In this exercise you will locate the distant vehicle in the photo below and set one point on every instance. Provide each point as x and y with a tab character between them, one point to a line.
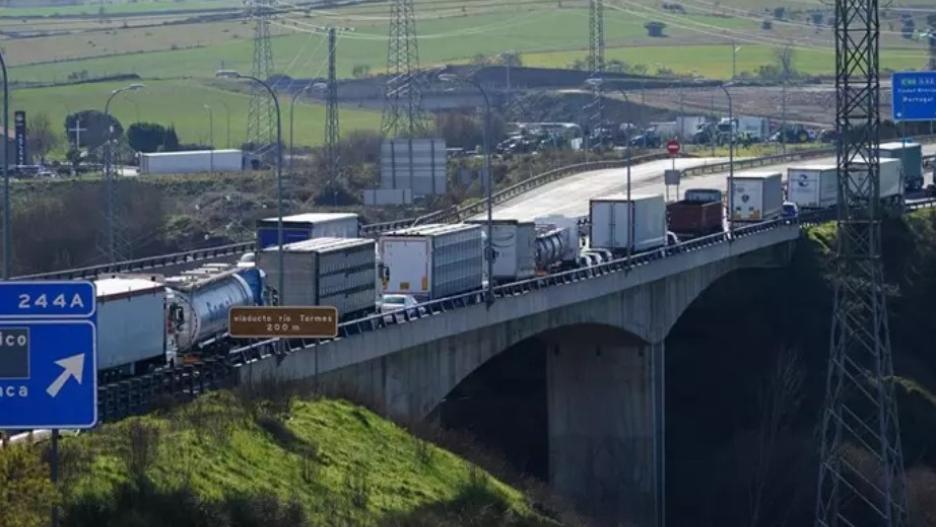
790	211
828	136
648	139
793	134
390	304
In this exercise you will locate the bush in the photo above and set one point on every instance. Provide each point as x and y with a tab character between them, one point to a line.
26	494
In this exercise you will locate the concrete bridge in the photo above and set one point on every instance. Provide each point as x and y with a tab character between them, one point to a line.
605	330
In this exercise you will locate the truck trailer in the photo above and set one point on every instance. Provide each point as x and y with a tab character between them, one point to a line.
610	222
756	196
891	190
514	244
191	162
335	272
699	214
432	261
131	335
300	227
910	155
813	186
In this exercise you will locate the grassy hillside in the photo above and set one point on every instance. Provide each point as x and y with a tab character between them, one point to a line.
181	102
222	461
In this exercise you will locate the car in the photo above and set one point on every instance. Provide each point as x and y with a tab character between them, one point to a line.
394	304
790	211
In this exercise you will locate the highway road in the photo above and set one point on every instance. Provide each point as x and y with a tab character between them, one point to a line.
569	196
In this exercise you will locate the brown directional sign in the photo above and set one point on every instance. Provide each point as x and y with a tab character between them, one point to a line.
285	322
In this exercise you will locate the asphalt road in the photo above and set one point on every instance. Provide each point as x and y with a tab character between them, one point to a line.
570	196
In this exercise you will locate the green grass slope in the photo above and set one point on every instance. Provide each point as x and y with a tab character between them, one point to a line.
329	462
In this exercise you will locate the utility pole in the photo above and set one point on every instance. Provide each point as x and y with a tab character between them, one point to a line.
402	114
331	119
860	413
596	61
261	113
734	60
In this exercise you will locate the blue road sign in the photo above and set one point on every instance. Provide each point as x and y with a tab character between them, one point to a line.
48	374
914	96
46	300
48	355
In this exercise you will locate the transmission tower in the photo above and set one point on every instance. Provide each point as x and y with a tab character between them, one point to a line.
402	113
331	118
261	113
861	475
596	60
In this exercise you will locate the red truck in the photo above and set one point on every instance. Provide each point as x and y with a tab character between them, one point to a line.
701	213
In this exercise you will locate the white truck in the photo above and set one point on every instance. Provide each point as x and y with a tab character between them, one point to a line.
687	126
756	196
813	186
432	261
514	244
131	326
192	162
336	272
610	222
891	184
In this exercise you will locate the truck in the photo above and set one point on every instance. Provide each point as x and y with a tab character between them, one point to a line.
754	129
514	244
191	162
300	227
756	196
432	261
687	126
813	186
699	214
131	336
558	242
891	190
610	222
334	272
910	155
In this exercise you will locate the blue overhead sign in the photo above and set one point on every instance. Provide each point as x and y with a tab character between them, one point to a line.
914	96
48	366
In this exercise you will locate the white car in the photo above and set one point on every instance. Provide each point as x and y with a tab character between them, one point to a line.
395	303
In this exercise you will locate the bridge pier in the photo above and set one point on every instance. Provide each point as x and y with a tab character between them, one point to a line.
605	428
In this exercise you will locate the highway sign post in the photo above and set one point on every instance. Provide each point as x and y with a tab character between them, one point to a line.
673	147
914	96
283	322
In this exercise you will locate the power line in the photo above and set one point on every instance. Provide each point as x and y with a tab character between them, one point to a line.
331	119
261	111
861	473
402	114
596	60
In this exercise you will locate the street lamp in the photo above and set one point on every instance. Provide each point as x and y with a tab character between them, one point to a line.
210	139
489	182
597	83
292	107
731	144
109	170
7	230
228	74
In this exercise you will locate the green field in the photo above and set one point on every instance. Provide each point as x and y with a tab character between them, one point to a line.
118	7
181	103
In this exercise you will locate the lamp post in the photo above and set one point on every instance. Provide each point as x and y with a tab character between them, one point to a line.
210	139
7	230
489	181
597	82
731	143
228	74
109	170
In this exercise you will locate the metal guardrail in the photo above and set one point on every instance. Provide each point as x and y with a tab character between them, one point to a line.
744	164
143	264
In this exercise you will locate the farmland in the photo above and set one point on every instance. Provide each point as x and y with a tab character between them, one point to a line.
181	103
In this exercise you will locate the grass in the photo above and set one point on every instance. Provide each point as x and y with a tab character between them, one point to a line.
322	455
181	103
118	7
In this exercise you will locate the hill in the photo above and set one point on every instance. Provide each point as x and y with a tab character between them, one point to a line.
229	461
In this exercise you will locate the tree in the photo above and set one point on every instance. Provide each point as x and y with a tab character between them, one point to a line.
95	125
42	138
27	492
171	142
510	58
784	58
359	71
146	137
655	29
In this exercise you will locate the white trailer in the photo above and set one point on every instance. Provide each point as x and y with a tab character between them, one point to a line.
192	162
813	186
131	325
514	244
891	185
688	125
300	227
756	196
335	272
432	261
757	128
610	222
